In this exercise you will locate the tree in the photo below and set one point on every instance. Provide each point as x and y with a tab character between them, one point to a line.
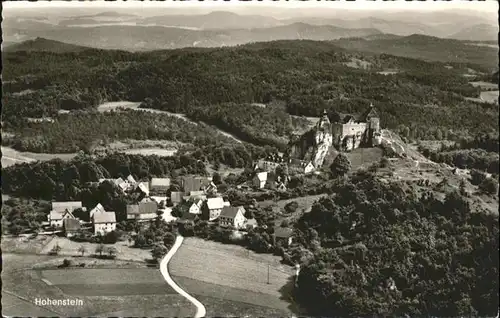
291	207
216	178
341	165
158	251
56	249
82	250
169	240
111	251
100	249
489	186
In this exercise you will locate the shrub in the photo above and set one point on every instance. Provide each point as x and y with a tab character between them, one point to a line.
66	263
489	186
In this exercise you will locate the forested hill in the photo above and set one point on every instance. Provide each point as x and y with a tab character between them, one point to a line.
426	48
304	76
45	45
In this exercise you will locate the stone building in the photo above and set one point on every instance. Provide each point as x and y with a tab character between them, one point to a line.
352	133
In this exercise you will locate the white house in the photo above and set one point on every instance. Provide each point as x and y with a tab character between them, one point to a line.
56	218
214	206
308	167
143	187
104	222
232	216
61	211
211	188
98	208
259	180
195	207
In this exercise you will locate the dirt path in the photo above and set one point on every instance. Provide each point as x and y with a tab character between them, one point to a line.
200	309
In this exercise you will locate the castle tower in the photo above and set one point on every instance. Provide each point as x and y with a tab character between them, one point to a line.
324	122
372	120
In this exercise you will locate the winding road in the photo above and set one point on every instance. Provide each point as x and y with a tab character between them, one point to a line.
200	309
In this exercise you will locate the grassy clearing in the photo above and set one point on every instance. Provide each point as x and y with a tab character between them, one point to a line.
109	106
18	279
89	263
108	282
24	244
124	251
364	157
231	272
490	96
11	156
224	170
484	85
236	298
151	151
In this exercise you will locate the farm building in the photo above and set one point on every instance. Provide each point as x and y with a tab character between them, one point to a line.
283	236
104	222
71	226
259	180
214	206
159	186
190	183
98	208
250	224
176	197
232	216
143	211
61	211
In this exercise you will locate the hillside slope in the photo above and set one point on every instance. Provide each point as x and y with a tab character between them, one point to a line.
45	45
478	32
426	48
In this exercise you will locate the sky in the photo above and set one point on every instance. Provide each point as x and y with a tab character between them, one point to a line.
399	5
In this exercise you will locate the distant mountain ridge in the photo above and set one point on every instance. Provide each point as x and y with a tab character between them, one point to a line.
45	45
478	32
142	38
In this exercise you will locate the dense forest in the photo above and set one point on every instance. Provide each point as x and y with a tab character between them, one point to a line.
378	249
477	152
307	76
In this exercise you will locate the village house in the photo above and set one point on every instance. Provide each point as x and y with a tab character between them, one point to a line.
142	187
71	226
191	183
143	211
159	186
250	224
281	186
131	181
269	163
308	167
98	208
61	211
283	236
104	222
176	197
259	180
214	206
195	207
232	216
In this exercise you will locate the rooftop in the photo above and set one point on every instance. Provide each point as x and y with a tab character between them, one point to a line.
215	203
231	211
104	217
67	205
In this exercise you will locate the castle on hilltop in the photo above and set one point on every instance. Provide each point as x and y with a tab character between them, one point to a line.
345	135
353	132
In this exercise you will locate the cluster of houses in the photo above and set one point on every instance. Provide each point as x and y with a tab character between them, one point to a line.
265	177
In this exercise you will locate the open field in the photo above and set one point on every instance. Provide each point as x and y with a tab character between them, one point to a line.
224	170
228	301
363	157
21	285
11	156
303	202
151	151
24	244
357	63
485	85
109	106
490	96
124	251
230	272
108	282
